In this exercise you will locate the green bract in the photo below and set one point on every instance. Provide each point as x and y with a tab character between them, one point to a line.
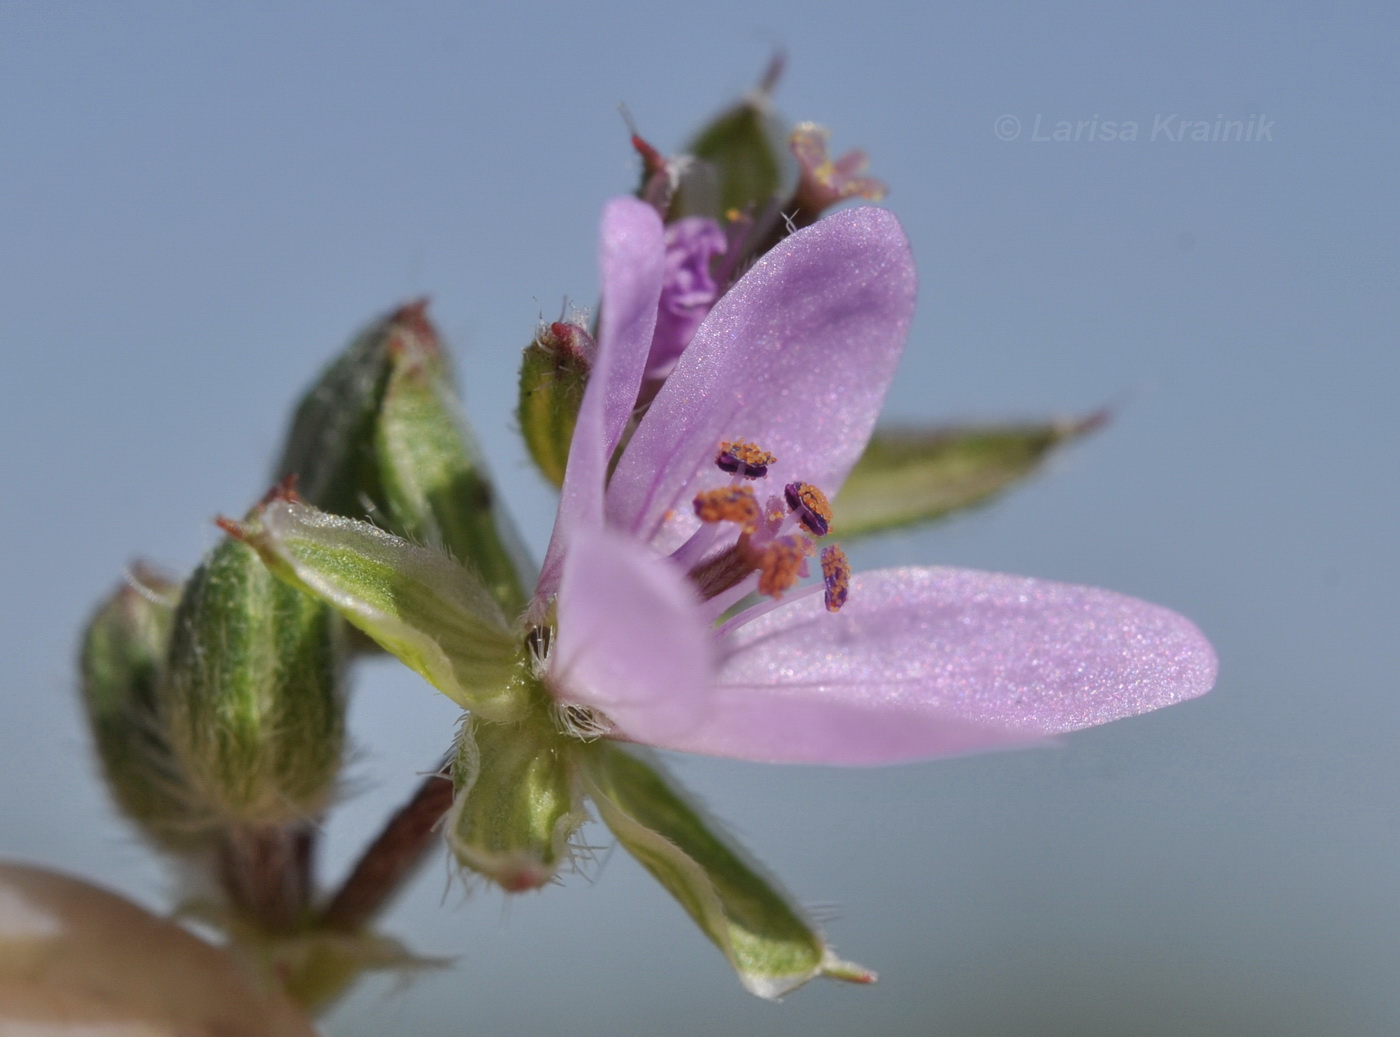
252	694
909	476
767	941
417	603
746	148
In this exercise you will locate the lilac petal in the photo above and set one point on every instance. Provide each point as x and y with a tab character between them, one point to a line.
796	724
631	246
997	657
631	639
796	357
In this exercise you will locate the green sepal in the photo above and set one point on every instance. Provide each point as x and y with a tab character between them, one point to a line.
416	603
434	485
908	476
123	653
771	947
252	693
553	375
517	801
746	147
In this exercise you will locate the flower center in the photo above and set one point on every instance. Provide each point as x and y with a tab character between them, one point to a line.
774	540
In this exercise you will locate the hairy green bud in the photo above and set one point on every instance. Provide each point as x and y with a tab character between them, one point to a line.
381	436
252	693
434	482
553	374
121	659
517	802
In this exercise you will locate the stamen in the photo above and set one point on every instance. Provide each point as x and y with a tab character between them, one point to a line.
735	504
836	572
811	507
740	457
781	563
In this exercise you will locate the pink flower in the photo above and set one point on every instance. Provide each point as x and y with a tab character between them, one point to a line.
898	664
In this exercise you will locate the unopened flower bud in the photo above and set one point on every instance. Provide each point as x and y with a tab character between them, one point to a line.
517	803
768	942
252	692
122	656
553	374
434	482
330	446
381	436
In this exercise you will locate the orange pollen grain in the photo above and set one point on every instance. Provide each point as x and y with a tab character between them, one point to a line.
812	507
836	574
735	504
741	457
780	564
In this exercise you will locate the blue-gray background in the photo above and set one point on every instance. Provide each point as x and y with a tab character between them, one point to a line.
197	206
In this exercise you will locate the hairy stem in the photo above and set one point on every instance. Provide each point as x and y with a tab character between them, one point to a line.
393	857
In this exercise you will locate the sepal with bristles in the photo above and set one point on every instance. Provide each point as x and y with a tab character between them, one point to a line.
517	804
770	945
416	603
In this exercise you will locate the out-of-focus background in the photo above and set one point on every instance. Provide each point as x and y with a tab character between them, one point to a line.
199	204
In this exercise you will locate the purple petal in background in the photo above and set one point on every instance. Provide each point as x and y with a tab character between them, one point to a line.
796	357
688	290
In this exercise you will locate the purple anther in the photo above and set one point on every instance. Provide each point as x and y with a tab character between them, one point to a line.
810	506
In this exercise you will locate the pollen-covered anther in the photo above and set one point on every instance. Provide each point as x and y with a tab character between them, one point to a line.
735	504
810	505
781	563
740	457
836	574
